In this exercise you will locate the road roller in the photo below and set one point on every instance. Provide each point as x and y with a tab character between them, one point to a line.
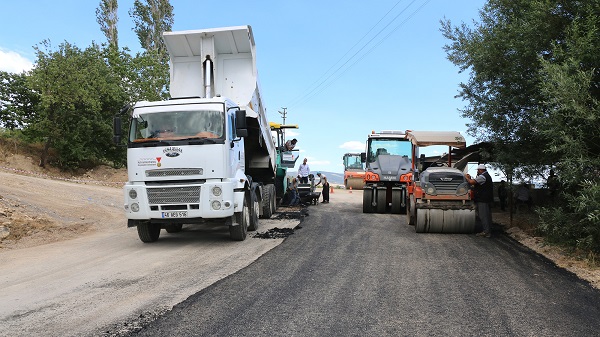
354	171
388	164
439	197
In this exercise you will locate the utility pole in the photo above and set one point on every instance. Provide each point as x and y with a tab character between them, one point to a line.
283	114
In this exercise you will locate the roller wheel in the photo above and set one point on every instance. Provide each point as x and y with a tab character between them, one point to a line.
355	183
381	200
397	202
411	211
174	228
368	200
421	225
459	221
254	211
239	227
437	223
148	232
445	221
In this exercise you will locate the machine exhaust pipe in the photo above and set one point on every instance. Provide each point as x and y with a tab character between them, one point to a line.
208	77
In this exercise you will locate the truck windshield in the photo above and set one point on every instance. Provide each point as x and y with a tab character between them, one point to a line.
388	146
177	125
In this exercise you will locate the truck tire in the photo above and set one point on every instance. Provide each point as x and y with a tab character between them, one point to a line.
254	212
273	200
396	202
176	228
267	201
148	232
239	227
381	200
368	200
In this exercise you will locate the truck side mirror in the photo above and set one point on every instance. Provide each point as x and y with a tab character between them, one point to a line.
117	132
363	157
241	129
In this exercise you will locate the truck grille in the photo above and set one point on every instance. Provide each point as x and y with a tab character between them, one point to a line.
446	183
174	195
173	172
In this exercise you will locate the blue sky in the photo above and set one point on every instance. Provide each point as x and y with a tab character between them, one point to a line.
341	68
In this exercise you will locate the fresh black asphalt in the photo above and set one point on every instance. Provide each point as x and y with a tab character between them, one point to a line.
345	273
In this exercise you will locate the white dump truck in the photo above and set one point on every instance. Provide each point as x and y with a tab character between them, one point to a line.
206	155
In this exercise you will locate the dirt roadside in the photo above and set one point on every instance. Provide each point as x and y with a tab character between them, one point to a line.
22	224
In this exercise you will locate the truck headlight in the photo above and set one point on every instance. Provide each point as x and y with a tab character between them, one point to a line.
135	207
216	191
429	189
216	205
132	194
462	189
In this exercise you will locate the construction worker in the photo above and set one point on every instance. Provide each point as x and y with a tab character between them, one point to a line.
303	172
484	197
323	182
290	144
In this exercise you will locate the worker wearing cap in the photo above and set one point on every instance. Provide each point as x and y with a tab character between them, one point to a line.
484	196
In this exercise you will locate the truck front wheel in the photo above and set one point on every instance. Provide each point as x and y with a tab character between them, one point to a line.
239	227
148	232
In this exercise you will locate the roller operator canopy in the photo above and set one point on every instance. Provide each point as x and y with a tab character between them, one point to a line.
428	138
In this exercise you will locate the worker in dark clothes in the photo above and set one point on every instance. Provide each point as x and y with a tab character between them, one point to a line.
484	197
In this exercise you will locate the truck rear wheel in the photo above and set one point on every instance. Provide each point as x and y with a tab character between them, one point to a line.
239	227
254	211
268	198
148	232
273	200
381	200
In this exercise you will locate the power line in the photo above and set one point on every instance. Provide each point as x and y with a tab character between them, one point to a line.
371	49
325	83
299	98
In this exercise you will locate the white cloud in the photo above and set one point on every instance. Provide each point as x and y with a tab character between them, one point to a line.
290	133
353	145
13	62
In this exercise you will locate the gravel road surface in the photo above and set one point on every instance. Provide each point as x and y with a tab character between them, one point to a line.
106	276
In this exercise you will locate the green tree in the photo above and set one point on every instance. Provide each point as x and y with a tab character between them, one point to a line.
571	85
79	95
533	91
18	103
151	68
503	53
107	17
151	19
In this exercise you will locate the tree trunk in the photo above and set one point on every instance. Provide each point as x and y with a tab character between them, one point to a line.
44	155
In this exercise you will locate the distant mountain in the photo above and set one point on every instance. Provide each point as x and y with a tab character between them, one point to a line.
334	178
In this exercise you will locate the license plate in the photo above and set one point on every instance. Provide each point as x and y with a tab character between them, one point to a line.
180	214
